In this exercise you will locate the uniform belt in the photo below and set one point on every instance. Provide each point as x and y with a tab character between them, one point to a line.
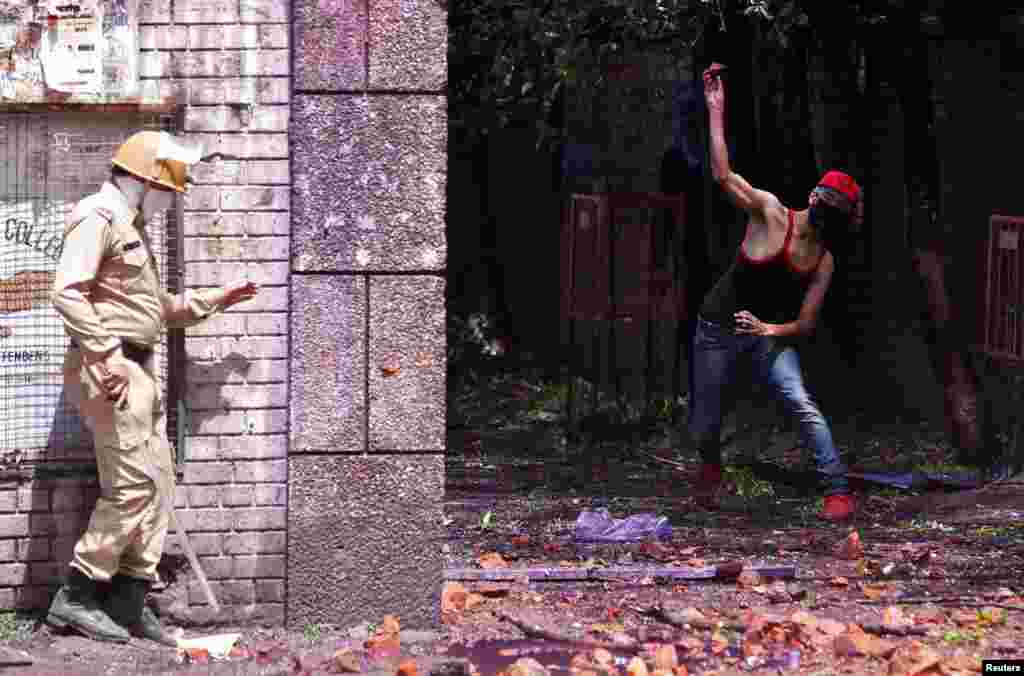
136	353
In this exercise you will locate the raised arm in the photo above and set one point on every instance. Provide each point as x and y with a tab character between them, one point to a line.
740	193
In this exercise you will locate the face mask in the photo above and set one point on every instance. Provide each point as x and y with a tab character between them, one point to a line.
155	201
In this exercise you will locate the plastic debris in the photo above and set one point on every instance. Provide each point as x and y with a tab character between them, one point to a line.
599	526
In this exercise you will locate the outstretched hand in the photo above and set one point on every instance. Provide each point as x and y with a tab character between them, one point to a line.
237	292
749	324
714	87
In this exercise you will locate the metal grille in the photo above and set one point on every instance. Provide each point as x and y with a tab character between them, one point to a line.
48	162
1004	295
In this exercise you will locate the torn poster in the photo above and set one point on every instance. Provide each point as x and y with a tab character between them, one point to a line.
72	55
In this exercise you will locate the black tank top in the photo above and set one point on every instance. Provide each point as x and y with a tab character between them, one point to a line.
772	288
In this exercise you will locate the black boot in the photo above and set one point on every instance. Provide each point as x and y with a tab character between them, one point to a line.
126	603
75	605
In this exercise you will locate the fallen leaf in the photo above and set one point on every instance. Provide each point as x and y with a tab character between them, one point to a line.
385	641
894	617
345	661
453	597
913	658
681	670
696	563
961	663
854	643
963	617
875	591
753	649
656	551
474	600
850	548
521	540
748	579
491	561
688	551
239	651
831	627
636	667
551	548
407	668
527	666
839	582
915	553
389	371
666	658
990	615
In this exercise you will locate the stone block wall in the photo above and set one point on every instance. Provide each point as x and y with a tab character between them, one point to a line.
369	132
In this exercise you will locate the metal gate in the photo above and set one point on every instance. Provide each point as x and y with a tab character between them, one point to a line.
48	162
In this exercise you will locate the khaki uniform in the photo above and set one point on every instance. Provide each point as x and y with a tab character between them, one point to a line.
120	303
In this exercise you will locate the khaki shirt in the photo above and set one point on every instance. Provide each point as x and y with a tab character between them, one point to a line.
107	290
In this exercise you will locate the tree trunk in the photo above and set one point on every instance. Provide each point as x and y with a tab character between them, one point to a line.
947	339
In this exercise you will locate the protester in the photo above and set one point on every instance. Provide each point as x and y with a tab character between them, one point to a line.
770	296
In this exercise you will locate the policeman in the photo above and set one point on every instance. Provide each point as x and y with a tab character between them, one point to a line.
114	308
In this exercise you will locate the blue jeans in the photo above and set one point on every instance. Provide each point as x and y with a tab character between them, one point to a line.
716	350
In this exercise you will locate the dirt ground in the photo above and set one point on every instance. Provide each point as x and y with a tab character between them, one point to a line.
919	583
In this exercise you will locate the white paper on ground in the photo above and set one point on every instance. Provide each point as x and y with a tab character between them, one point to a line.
218	646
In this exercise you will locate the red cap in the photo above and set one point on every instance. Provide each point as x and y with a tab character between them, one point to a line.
842	183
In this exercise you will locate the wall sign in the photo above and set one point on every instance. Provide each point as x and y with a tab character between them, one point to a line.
68	51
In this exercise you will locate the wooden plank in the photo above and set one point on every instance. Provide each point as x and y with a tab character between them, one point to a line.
552	574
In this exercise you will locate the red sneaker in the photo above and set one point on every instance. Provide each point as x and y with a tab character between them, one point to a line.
709	482
838	507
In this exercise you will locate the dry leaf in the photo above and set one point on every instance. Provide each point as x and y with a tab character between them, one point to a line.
961	663
666	658
389	371
854	643
637	667
551	547
748	579
894	617
681	670
474	600
491	561
964	617
603	657
696	563
527	666
875	591
521	540
839	582
831	627
656	551
851	548
346	662
453	597
913	658
407	668
687	551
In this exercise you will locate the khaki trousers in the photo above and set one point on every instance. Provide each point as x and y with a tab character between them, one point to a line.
129	523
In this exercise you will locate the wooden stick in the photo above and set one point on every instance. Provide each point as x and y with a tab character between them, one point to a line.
536	631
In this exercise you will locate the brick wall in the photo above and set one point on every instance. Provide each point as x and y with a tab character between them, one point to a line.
228	62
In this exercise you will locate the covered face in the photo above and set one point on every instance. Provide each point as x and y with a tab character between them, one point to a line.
837	193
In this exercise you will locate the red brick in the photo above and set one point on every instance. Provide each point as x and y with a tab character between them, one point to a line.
199	520
204	496
44	573
33	597
33	500
13	574
263	614
270	591
12	526
237	496
63	548
267	471
208	473
271	495
272	421
8	550
229	593
260	566
266	542
217	567
68	498
265	518
35	549
204	544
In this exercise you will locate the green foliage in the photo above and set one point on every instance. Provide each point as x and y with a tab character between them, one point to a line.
748	485
14	628
312	632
